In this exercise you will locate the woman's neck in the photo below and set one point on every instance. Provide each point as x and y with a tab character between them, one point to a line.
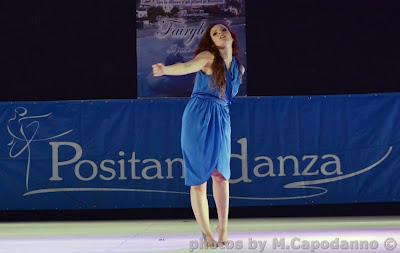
226	54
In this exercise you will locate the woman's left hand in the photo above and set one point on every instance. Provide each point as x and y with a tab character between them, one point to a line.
242	69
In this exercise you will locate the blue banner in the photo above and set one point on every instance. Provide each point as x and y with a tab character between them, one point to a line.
126	153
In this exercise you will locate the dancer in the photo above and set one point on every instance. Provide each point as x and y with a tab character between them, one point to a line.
206	126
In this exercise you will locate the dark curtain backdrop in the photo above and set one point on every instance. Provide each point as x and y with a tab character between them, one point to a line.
52	50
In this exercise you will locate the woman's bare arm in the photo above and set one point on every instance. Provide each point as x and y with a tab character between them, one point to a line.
194	65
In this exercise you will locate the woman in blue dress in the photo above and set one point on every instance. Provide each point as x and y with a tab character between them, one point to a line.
206	126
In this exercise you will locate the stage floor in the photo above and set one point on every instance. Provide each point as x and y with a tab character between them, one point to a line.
363	234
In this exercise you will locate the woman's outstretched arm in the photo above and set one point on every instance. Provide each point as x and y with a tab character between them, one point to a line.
194	65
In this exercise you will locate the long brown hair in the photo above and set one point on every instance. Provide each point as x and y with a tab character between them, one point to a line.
218	65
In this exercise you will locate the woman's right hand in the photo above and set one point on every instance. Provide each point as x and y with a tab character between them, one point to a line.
158	69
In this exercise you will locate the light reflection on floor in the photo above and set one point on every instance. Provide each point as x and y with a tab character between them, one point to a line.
356	234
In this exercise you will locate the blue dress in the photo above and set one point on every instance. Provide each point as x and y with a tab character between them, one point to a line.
206	127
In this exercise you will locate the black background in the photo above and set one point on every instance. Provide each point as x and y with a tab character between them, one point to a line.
53	50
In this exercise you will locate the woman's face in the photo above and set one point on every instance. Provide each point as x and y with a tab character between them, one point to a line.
221	36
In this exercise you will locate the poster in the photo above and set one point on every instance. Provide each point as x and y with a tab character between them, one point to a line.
168	31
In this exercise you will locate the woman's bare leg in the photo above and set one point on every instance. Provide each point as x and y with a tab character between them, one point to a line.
221	197
198	199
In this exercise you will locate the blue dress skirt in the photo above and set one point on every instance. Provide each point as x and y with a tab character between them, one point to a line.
206	128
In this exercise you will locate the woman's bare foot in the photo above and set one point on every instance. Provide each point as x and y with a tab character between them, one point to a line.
222	236
209	241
